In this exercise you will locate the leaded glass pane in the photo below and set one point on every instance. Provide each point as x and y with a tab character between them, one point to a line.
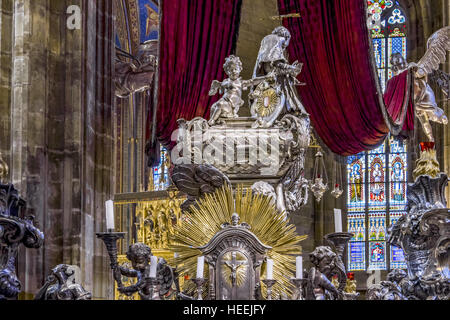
379	46
357	256
398	187
161	172
356	179
356	246
377	169
377	255
397	254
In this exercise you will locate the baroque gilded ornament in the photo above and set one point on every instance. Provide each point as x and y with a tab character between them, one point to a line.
214	231
270	145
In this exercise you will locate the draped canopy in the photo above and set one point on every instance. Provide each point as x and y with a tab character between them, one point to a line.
195	38
342	92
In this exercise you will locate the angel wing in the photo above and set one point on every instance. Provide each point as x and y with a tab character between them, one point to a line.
442	79
196	180
215	86
437	46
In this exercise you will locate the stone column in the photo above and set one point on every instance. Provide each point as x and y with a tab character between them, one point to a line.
6	9
61	136
97	141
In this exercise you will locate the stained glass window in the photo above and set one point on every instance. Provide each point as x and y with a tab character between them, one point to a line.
376	198
376	195
160	174
387	23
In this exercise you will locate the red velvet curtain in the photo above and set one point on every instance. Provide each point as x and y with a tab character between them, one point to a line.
196	37
400	93
342	92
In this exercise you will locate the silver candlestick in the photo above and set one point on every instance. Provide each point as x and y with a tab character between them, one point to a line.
299	284
110	240
339	241
199	283
269	284
156	286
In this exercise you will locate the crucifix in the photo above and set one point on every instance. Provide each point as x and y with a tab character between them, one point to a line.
234	266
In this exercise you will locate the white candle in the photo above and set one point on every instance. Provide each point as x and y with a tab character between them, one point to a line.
299	267
269	275
109	215
337	220
175	255
153	266
200	265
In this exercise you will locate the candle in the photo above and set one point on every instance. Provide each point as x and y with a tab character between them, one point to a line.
109	215
269	275
175	255
299	267
200	265
337	220
153	266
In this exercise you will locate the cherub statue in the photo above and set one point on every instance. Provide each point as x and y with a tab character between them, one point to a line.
60	286
139	254
228	106
426	107
326	265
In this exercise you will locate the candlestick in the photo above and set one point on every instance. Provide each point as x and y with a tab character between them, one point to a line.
110	239
153	266
199	283
109	215
339	241
156	287
269	274
269	284
337	220
299	285
299	267
200	265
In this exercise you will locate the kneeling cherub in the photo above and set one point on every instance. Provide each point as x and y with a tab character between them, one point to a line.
231	88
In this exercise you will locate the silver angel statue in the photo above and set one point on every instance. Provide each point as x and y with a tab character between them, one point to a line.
271	98
135	74
228	106
426	107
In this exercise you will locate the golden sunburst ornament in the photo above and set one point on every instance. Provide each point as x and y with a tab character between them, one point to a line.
267	102
265	222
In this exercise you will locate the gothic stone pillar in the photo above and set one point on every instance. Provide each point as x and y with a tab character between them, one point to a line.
61	137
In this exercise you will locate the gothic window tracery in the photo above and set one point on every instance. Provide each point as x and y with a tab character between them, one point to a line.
376	198
387	24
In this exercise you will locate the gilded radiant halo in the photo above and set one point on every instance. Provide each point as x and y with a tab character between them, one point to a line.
257	211
267	102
